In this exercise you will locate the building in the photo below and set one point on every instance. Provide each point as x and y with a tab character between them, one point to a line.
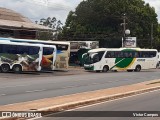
15	25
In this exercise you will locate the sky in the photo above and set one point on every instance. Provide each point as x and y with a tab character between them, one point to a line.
37	9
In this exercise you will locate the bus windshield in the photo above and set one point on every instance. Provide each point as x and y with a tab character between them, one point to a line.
47	50
91	58
62	47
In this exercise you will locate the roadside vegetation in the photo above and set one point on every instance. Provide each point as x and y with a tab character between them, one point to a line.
102	20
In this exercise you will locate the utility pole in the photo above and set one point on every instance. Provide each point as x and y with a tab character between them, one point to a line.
124	29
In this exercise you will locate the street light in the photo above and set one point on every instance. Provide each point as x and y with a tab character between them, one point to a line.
127	31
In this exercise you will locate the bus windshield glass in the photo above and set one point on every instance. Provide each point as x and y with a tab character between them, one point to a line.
91	58
47	50
61	47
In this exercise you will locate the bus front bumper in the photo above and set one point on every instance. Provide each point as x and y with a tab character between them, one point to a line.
89	67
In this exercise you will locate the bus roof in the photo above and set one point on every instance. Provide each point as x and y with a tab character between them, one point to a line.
24	44
52	46
118	49
26	40
97	50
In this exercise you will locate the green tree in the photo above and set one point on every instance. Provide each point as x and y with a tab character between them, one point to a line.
102	20
54	24
157	43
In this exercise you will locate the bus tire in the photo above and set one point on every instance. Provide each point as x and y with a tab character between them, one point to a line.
5	68
105	69
138	68
17	68
157	66
98	71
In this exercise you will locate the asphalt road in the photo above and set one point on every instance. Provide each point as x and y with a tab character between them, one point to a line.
26	87
145	102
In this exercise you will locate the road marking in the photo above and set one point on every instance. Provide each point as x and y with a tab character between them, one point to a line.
36	91
2	94
97	103
112	100
13	86
89	105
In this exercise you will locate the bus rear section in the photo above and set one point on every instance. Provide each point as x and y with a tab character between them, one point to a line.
62	55
20	57
129	59
48	57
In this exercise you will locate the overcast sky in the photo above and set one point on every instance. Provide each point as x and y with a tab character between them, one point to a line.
37	9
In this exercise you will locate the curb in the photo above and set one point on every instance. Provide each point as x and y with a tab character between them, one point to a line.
72	105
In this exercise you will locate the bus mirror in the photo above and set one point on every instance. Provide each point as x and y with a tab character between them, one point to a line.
84	55
93	55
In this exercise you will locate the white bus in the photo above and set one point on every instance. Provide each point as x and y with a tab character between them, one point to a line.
20	57
158	64
130	59
63	50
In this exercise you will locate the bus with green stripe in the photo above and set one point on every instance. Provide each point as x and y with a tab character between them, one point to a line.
129	59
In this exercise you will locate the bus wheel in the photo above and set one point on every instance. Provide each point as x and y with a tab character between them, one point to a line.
138	68
5	68
17	68
157	66
105	69
129	70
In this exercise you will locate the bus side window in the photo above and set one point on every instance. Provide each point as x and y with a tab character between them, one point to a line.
126	55
130	54
143	54
22	50
108	55
112	54
1	48
121	54
10	49
33	50
136	55
13	49
140	54
153	54
116	54
147	54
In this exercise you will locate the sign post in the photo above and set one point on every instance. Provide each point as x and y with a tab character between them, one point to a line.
129	42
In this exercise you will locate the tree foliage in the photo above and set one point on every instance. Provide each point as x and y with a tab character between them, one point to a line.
102	20
54	24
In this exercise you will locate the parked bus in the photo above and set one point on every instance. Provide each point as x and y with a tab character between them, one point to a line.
48	57
20	57
63	50
130	59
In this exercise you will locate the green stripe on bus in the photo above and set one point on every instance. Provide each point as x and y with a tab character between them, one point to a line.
124	62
